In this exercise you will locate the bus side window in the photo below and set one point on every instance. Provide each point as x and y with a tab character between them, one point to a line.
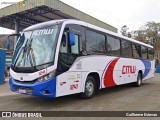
126	48
75	48
136	51
113	46
144	52
151	54
95	42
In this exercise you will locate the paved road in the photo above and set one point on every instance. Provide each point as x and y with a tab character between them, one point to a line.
121	98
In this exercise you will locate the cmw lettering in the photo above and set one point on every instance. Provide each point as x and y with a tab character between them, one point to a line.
44	32
128	69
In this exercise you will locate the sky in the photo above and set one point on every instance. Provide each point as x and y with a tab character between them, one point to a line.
133	13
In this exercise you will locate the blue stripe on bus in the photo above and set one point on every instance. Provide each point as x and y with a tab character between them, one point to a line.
147	65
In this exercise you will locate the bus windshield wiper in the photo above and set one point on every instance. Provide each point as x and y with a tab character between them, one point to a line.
27	54
23	49
31	53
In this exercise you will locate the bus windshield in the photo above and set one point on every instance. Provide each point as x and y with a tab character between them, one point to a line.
36	47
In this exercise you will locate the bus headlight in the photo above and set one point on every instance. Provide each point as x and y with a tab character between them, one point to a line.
47	76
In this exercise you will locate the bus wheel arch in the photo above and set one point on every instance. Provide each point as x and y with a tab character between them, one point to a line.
97	79
92	79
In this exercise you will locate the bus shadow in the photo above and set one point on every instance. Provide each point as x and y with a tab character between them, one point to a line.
48	102
64	101
120	88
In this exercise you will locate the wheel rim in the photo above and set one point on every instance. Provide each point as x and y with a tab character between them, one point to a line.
89	87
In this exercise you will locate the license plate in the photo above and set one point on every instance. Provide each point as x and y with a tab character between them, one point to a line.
22	91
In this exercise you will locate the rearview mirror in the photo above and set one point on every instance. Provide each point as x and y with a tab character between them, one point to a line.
71	39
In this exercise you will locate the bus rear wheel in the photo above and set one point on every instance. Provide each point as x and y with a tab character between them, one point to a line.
138	83
90	88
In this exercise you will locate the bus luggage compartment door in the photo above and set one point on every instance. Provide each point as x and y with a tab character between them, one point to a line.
68	83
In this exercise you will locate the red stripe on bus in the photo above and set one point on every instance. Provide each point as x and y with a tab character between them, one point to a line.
108	77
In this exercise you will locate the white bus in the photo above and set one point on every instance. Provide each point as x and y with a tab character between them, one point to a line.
63	57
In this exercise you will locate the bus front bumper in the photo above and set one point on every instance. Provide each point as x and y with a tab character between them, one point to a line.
46	89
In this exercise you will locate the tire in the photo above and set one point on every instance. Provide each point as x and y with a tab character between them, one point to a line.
90	88
138	83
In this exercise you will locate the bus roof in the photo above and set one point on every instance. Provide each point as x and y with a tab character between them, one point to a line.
74	21
43	24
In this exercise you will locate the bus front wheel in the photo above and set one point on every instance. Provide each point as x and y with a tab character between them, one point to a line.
90	88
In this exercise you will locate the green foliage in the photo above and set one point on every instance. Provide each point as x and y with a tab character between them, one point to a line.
124	31
150	34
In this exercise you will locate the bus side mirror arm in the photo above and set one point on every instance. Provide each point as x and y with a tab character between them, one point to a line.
13	35
8	41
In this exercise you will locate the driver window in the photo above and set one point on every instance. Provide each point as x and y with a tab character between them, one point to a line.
68	53
64	48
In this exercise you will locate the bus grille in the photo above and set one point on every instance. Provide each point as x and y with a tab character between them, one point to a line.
26	82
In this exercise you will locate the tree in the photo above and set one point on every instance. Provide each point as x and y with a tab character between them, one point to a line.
139	35
150	34
124	32
129	34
